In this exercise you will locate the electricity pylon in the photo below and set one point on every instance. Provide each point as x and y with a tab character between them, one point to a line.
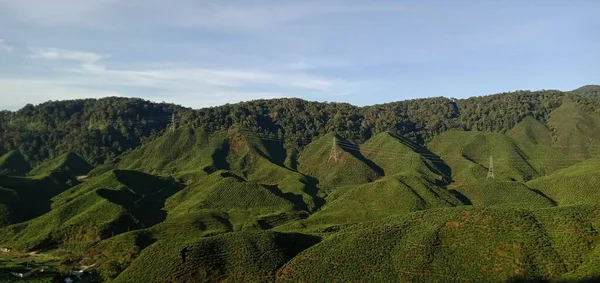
173	122
333	154
490	174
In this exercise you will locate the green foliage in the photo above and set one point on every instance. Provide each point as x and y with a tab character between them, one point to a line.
397	192
346	167
577	184
249	256
457	244
504	193
70	163
97	129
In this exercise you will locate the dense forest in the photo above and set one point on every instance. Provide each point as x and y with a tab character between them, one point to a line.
99	129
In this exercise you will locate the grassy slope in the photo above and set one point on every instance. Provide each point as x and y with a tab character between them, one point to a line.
576	184
389	196
455	245
399	156
504	193
349	167
110	204
13	163
69	162
536	141
575	131
23	198
184	150
468	155
192	155
249	256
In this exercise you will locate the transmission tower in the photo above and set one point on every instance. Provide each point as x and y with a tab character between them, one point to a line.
173	122
491	174
333	155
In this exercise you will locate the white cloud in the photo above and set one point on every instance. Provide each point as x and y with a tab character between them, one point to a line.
88	61
190	86
15	93
4	47
240	15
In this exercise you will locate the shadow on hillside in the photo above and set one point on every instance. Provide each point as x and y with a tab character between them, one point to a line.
544	195
439	165
145	199
276	151
294	243
29	198
358	155
219	157
464	199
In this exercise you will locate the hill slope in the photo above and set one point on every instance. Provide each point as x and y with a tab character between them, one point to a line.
110	204
457	244
346	166
573	185
13	163
69	162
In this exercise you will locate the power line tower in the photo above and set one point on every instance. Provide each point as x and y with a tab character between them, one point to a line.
173	122
333	154
490	174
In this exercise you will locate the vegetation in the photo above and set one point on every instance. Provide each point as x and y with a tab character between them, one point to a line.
485	189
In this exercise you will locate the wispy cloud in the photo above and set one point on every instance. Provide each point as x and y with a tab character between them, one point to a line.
4	47
88	61
37	90
89	72
240	15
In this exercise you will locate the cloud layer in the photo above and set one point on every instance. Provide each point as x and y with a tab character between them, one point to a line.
208	52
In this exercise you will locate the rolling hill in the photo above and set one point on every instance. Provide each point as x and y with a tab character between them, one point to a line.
501	188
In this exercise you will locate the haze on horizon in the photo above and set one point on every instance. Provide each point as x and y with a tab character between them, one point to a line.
205	53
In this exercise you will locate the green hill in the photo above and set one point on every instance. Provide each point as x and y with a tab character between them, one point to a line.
457	244
575	130
573	185
347	166
113	203
536	141
192	156
13	163
396	192
184	150
69	162
249	256
388	196
504	193
468	154
23	198
397	155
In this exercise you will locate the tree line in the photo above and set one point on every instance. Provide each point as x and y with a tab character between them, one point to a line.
100	129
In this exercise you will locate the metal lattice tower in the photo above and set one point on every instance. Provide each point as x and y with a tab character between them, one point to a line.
491	174
333	154
173	122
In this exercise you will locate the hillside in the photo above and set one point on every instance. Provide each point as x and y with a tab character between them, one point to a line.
69	163
577	184
500	188
457	244
13	163
335	165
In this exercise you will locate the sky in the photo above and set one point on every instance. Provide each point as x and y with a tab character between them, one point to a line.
201	53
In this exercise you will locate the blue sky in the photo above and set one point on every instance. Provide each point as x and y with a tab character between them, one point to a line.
205	53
